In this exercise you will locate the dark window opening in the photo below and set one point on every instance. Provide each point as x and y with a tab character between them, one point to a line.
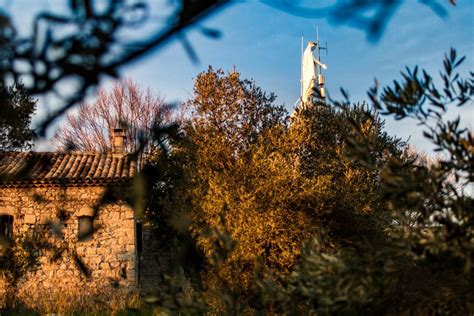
6	226
139	236
86	228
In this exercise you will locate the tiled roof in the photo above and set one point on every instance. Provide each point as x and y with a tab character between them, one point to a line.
60	168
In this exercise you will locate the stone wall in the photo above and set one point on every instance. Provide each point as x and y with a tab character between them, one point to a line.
46	220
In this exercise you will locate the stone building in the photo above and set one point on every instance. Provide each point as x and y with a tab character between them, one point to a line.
70	216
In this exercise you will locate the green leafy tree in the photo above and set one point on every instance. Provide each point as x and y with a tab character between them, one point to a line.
423	263
327	137
17	108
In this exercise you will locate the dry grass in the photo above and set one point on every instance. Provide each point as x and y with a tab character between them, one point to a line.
86	301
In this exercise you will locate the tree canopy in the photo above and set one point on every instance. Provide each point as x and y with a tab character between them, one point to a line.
126	105
423	265
269	182
17	108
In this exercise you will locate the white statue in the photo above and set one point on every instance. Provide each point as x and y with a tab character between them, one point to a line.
310	72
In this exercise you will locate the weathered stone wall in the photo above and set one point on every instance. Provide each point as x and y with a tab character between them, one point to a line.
47	220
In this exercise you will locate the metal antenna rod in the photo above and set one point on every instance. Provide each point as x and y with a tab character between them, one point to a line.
319	48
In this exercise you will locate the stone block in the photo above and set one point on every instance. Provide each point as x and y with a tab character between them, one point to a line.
44	219
128	214
103	251
91	251
105	266
85	211
7	210
125	256
98	260
29	219
114	264
129	224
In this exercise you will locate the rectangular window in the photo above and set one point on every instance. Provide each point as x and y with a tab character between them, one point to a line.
86	228
6	226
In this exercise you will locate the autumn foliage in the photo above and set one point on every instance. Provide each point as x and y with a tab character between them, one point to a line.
322	212
269	182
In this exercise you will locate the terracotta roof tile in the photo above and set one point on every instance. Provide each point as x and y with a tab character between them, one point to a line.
31	168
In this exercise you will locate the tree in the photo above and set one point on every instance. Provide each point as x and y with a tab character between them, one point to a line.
421	266
17	108
256	187
124	105
390	264
326	138
229	117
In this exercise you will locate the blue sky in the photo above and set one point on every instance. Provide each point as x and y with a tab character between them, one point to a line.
264	44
